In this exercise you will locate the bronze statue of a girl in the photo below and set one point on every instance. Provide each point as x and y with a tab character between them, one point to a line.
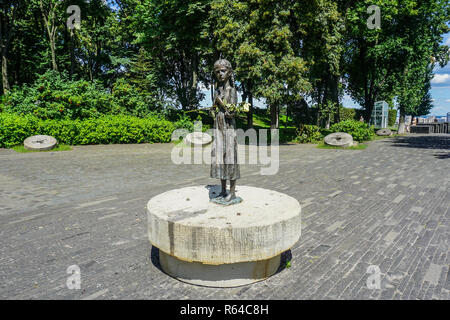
224	151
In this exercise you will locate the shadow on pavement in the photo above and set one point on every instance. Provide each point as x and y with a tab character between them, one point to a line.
441	142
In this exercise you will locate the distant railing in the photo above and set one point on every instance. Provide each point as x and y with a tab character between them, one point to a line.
436	127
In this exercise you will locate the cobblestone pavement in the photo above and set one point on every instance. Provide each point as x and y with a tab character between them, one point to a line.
386	206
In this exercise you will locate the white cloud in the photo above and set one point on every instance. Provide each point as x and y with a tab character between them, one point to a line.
448	100
441	78
447	43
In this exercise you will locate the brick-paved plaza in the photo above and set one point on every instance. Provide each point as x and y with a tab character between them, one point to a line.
387	206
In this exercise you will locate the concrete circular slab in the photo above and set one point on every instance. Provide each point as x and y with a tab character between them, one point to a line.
40	143
339	139
198	139
219	276
384	132
208	244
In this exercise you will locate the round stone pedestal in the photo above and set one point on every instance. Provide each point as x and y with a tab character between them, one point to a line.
209	244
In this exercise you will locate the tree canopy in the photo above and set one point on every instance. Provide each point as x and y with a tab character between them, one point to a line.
287	52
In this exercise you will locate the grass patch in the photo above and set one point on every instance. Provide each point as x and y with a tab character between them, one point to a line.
59	147
358	147
375	137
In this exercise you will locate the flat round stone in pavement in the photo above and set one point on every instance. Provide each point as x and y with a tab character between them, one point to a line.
339	139
40	143
384	132
207	244
198	139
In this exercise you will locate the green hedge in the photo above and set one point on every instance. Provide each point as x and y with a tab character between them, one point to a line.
360	131
14	129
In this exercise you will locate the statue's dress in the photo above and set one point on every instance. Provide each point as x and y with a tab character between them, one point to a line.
224	150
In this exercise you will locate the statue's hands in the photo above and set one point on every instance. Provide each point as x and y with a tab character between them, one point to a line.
229	114
218	101
212	111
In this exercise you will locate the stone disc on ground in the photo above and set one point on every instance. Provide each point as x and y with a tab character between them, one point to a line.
40	143
339	139
384	132
198	139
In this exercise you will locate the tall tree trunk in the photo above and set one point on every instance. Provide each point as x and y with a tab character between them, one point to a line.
327	124
5	80
72	55
334	93
53	50
274	119
250	111
369	104
401	120
50	24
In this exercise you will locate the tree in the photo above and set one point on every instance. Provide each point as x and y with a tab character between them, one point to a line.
261	43
175	33
322	48
8	16
373	55
95	40
50	14
420	33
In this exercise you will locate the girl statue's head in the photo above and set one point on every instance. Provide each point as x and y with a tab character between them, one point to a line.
223	71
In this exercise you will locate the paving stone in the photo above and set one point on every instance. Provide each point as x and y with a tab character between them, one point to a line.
88	209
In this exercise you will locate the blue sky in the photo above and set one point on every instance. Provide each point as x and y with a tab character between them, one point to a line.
440	87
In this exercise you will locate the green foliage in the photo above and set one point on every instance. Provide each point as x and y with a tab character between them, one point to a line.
133	101
14	129
326	146
184	122
347	114
54	96
392	116
308	134
286	135
262	46
281	51
59	147
175	32
360	131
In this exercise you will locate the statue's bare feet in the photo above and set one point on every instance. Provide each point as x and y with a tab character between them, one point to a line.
230	197
222	194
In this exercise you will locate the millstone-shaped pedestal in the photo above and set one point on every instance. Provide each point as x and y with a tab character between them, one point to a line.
339	139
198	139
384	132
204	243
40	143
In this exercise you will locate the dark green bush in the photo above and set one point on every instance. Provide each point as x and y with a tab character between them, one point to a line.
347	114
360	131
133	101
15	129
104	130
54	96
308	134
392	117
